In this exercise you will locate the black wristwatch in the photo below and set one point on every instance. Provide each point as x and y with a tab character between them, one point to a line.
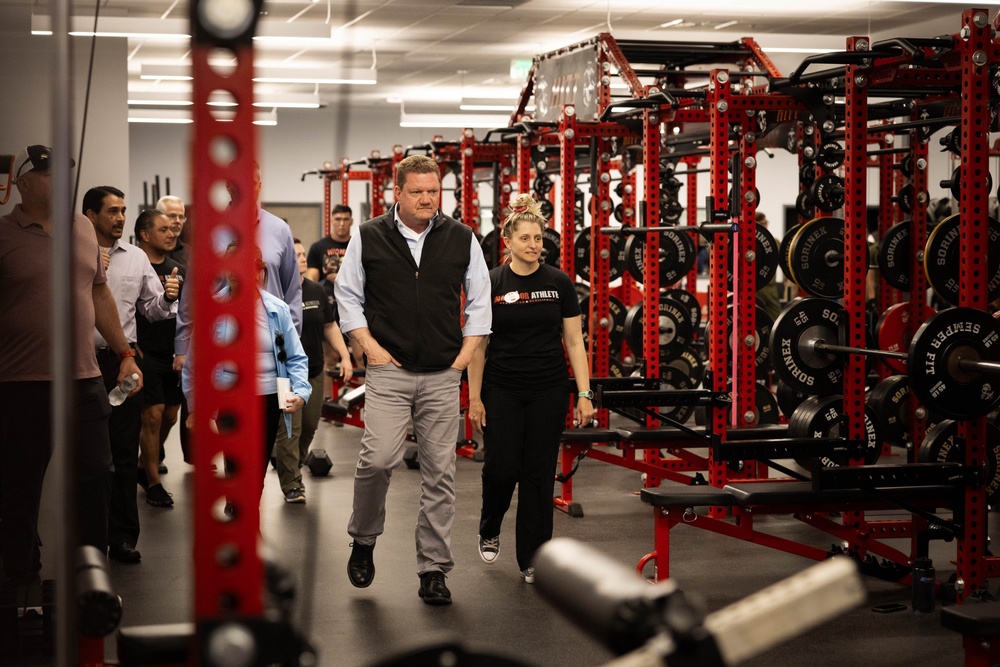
589	394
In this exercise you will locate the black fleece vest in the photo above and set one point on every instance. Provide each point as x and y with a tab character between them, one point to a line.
415	312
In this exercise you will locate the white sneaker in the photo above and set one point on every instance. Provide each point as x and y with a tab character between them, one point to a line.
528	575
489	549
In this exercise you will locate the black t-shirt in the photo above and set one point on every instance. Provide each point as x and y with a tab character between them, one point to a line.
316	313
326	256
157	338
526	348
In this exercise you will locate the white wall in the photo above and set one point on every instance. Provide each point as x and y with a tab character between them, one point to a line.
26	112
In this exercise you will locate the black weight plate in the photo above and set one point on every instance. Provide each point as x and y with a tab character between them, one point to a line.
615	322
788	398
830	155
550	247
827	193
766	258
762	336
816	257
690	301
890	399
491	249
633	329
783	247
677	255
820	417
807	173
937	347
894	256
940	445
690	362
674	329
942	261
674	379
767	406
804	205
546	208
581	255
795	362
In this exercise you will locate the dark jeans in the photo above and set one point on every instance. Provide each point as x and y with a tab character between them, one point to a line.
124	426
25	450
522	446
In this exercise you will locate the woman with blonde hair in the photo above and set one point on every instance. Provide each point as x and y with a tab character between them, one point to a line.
518	386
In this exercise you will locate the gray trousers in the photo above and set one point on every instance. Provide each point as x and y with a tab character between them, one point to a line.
394	396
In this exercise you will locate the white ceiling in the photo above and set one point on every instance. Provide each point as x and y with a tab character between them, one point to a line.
442	50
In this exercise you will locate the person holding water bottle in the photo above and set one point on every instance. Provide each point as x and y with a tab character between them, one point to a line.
282	365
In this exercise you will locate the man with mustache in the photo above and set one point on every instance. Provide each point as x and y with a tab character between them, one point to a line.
136	288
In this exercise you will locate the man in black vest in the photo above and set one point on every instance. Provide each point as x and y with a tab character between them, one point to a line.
399	292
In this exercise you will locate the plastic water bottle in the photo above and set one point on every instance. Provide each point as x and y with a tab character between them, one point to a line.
121	392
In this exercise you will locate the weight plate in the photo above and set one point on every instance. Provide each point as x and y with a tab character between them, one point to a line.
795	361
546	208
894	256
690	362
674	329
762	336
827	193
783	248
803	204
820	417
890	399
615	323
581	255
788	398
894	331
942	261
937	349
816	257
766	258
677	255
941	445
550	247
672	379
688	300
830	155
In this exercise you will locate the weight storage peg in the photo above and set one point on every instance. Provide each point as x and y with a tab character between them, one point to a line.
955	183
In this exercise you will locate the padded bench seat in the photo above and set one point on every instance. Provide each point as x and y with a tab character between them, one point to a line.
802	493
588	435
973	619
780	493
656	436
342	406
674	495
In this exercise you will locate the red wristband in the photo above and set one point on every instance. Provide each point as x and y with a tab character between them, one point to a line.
127	353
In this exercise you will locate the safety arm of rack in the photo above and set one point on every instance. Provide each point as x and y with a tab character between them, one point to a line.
835	57
912	46
427	148
657	99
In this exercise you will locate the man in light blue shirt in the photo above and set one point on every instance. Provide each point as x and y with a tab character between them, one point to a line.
400	294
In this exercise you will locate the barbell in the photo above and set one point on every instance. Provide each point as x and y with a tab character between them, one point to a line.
952	360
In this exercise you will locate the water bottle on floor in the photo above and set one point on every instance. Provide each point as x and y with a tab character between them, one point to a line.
121	392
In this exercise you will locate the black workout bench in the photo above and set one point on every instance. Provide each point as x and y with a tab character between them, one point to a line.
673	505
347	408
578	443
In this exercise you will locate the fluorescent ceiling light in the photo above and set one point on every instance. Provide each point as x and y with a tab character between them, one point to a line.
117	26
482	104
160	99
727	24
183	116
268	100
326	75
670	24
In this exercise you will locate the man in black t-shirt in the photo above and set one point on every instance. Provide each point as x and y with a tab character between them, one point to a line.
323	263
161	393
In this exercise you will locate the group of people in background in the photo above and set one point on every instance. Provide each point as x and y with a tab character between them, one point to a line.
410	288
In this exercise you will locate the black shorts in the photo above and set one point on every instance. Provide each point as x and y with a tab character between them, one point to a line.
160	384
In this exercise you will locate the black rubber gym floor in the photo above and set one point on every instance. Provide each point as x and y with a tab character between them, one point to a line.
494	610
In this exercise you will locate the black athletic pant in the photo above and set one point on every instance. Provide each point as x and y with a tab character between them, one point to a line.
25	450
124	426
522	446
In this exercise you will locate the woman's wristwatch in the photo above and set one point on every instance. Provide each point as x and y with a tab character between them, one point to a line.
589	394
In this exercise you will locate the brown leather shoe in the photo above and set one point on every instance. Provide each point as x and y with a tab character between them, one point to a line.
124	553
